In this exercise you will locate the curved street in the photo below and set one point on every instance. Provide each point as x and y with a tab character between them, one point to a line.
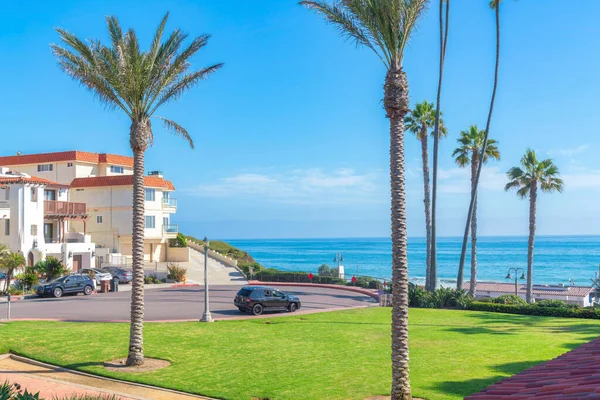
174	304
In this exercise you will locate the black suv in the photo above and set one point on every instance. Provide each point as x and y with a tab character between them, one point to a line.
261	298
69	284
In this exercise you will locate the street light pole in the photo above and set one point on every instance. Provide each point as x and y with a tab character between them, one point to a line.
516	272
206	317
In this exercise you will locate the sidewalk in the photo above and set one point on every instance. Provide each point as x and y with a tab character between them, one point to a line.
53	382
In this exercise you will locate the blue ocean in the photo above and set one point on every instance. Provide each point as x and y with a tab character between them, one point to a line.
556	258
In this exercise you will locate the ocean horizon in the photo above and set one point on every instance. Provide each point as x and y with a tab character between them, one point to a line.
557	258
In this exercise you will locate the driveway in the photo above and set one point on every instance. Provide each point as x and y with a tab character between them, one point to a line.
183	303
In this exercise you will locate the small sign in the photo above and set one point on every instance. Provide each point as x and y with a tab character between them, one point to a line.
310	276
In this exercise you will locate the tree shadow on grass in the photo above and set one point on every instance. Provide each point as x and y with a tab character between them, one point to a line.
470	386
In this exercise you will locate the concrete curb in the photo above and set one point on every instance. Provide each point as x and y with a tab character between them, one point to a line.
354	289
88	375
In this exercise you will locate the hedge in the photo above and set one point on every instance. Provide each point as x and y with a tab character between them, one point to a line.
532	309
298	277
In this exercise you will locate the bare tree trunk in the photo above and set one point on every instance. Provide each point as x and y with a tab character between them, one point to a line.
473	281
532	210
396	106
139	134
436	139
463	252
429	285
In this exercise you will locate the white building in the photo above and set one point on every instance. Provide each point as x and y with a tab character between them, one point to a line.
104	184
34	220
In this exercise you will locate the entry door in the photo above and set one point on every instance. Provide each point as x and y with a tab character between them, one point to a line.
50	195
77	259
49	233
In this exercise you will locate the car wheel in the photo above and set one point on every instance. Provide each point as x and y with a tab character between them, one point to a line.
57	292
257	309
87	290
242	309
292	307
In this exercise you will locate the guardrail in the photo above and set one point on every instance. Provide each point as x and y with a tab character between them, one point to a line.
170	202
64	208
170	229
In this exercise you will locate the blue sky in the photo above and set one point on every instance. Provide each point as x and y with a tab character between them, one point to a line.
291	138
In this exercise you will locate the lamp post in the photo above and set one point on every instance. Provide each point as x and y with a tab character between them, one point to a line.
206	317
516	272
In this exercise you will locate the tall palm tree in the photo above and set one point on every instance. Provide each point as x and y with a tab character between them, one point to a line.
526	180
419	122
470	144
385	26
495	4
443	41
122	76
10	263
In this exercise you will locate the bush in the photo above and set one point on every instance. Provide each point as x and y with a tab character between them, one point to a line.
364	282
13	391
555	304
509	299
28	278
151	279
533	309
175	272
441	298
418	297
273	275
179	241
51	268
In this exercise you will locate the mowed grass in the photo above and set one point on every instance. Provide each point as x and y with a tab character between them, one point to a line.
335	355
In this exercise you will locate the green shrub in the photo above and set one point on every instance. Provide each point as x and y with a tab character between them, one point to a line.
51	268
13	391
418	297
364	282
509	299
179	241
273	275
532	309
176	272
28	278
441	298
555	304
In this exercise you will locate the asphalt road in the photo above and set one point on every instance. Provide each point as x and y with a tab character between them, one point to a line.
184	303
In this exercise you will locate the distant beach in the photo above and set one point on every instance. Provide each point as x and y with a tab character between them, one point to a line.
557	258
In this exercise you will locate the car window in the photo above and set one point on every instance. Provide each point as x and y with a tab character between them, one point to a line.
277	293
244	292
267	293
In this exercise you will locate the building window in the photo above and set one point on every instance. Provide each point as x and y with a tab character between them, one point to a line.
7	193
99	219
150	222
165	221
7	227
116	170
34	230
34	195
150	194
69	164
44	167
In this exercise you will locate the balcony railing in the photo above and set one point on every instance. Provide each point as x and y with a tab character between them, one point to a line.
169	203
170	229
52	207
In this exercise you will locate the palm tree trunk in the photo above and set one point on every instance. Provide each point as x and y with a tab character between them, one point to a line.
473	281
396	106
532	210
436	139
139	134
427	202
463	253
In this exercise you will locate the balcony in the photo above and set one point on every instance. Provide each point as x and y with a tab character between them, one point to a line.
4	204
170	231
64	209
169	203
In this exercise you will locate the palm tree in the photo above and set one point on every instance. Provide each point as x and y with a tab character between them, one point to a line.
526	180
137	82
10	263
443	41
385	26
470	144
495	4
419	122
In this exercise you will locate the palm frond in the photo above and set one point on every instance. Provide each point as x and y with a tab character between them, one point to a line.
178	130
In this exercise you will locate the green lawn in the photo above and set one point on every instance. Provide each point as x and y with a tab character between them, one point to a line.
335	355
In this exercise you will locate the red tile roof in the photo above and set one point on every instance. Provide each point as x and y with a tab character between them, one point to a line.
67	156
120	180
571	291
7	180
574	375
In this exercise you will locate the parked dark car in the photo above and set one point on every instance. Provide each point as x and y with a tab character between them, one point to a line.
262	298
68	284
121	274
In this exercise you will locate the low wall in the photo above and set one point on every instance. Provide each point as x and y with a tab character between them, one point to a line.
367	292
213	254
178	254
